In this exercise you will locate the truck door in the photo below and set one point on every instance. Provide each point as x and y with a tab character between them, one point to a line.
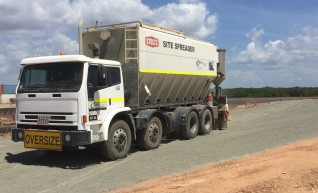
105	90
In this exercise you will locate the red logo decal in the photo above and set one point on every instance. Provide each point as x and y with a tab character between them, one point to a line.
151	41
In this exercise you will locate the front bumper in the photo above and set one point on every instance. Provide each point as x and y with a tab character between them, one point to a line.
76	137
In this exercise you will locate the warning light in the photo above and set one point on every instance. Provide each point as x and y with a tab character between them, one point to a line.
84	119
210	99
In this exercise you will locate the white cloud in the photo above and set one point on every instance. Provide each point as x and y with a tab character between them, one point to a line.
301	47
36	18
63	43
288	62
37	28
255	34
194	19
33	18
108	11
3	65
190	1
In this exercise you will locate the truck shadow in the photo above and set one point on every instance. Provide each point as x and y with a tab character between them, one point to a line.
74	159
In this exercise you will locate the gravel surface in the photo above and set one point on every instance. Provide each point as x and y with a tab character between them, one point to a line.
250	131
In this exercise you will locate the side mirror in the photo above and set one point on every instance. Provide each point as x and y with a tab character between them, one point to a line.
101	75
90	89
90	86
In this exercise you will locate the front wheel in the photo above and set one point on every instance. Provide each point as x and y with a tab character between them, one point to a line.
119	141
150	137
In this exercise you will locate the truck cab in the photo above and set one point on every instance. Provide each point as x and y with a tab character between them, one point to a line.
70	95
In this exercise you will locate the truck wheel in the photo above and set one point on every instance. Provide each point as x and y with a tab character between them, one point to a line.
191	129
206	122
119	141
150	137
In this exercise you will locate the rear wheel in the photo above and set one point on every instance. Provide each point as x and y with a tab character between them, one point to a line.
206	122
119	141
150	137
191	129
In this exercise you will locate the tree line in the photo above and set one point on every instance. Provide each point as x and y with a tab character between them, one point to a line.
271	92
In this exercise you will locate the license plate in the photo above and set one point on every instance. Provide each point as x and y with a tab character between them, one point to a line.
43	120
50	140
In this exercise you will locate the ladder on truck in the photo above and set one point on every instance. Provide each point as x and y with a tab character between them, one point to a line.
131	45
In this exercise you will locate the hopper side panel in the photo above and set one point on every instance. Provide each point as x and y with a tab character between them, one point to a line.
165	53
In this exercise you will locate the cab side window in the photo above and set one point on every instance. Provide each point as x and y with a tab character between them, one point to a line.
113	76
100	77
103	76
92	81
92	78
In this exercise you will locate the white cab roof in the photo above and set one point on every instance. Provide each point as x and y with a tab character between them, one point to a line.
66	58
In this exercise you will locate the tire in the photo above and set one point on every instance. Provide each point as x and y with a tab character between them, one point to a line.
192	127
119	141
206	122
150	137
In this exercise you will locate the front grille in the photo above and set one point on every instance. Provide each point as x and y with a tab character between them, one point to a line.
31	117
54	117
45	113
35	121
47	127
51	117
58	117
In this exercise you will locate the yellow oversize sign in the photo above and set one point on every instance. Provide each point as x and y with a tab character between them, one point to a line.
50	140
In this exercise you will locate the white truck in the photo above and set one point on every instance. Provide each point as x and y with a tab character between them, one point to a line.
132	83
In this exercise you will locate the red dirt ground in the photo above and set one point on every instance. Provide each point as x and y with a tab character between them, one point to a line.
292	168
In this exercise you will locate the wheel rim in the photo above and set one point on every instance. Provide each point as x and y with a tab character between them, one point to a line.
207	122
193	124
120	140
153	132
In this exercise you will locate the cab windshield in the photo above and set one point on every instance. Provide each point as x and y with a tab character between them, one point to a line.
51	77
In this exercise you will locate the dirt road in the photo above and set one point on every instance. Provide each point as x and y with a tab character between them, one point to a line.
250	131
292	168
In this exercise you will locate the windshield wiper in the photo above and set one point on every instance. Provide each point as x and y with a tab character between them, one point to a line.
53	89
70	86
48	88
37	86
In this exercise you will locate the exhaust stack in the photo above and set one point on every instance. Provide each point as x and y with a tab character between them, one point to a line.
80	37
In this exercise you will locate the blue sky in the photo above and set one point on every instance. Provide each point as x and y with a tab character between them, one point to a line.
269	43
